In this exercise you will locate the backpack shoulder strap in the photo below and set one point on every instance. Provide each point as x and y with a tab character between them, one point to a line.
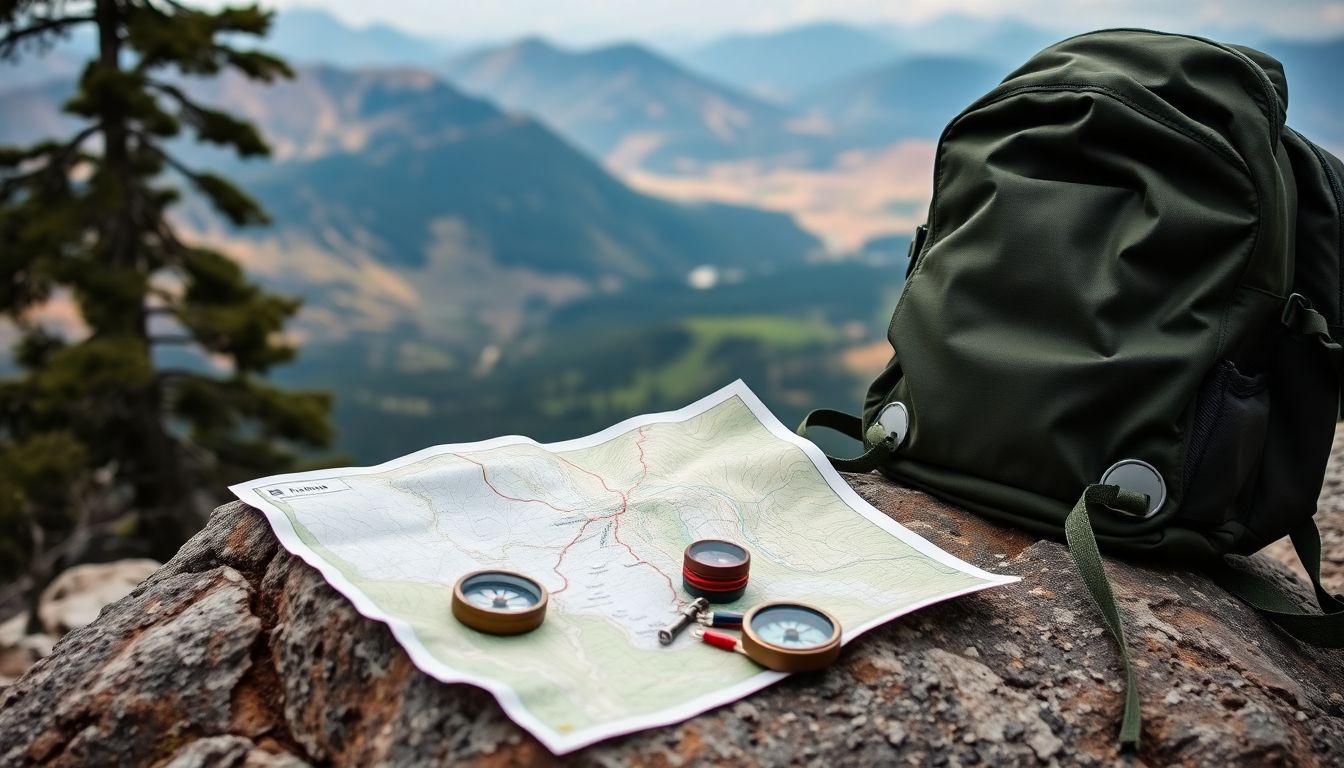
1324	629
850	426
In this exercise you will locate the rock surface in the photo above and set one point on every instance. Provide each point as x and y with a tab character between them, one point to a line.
235	653
20	651
74	598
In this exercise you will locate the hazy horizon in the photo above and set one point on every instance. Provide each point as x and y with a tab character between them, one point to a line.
690	22
482	235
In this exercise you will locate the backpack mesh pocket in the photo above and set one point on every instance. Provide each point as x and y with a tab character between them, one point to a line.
1226	441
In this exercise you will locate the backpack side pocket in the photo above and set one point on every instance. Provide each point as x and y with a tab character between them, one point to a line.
1227	439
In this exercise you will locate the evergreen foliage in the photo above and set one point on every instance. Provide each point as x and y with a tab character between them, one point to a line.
97	435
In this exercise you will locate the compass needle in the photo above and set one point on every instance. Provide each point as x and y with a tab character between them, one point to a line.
786	637
499	602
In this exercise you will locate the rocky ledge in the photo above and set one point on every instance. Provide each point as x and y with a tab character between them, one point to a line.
235	653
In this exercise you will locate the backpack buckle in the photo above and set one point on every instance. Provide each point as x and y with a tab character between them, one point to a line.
1299	317
1293	307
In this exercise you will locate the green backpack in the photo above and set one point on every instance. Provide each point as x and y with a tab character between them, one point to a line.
1120	316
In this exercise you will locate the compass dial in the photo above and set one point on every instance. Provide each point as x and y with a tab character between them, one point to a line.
793	627
499	596
790	637
499	602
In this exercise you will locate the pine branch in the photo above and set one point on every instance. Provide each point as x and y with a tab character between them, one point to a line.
149	142
256	65
174	247
176	93
227	199
212	125
9	43
182	339
180	8
63	156
167	374
236	206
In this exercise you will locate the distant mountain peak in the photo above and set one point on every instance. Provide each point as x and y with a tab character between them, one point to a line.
632	55
312	13
629	48
533	45
535	50
624	100
309	34
874	108
781	64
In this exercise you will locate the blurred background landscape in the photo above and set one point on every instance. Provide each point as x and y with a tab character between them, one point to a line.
542	218
543	235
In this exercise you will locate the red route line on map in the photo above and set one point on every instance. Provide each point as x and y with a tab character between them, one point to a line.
501	494
616	525
615	516
616	529
639	443
625	507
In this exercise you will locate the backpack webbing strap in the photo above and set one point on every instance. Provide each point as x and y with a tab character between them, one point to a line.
849	426
1083	548
1325	629
1300	318
1307	542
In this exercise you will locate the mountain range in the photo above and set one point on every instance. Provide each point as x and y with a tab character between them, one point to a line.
446	200
435	237
462	211
309	35
797	96
627	104
799	61
913	96
467	231
1315	106
1006	40
298	35
783	64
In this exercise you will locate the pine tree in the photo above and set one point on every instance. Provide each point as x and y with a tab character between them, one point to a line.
95	433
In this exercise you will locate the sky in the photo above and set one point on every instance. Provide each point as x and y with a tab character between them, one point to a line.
688	21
